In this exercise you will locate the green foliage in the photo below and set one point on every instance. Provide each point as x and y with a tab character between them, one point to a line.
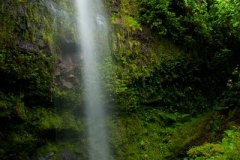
171	84
154	134
148	73
42	27
22	1
6	105
128	61
137	137
33	67
230	98
12	106
23	137
195	22
163	77
24	126
227	149
208	30
188	134
14	137
45	119
157	72
127	22
206	150
30	35
152	71
160	17
58	149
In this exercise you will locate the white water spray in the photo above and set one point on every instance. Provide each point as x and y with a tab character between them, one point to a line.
93	31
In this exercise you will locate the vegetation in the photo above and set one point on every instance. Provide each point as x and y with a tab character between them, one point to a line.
174	83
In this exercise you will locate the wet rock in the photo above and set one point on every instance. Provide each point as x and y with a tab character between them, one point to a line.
72	78
41	158
21	10
67	65
25	45
40	43
65	71
70	48
48	156
67	85
57	72
66	155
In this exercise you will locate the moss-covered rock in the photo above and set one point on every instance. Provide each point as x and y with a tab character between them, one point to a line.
32	34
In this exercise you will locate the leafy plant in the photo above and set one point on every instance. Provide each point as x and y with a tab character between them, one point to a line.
227	149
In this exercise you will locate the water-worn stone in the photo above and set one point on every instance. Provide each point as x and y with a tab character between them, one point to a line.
66	84
26	46
67	65
66	155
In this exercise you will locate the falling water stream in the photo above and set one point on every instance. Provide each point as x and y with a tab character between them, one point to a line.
93	31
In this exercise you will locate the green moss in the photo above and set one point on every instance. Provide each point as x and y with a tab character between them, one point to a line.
47	119
30	36
22	137
8	23
206	150
154	134
21	109
227	149
5	106
189	133
59	149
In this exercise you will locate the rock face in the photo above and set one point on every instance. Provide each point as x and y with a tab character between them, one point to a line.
48	156
32	33
66	155
42	27
68	66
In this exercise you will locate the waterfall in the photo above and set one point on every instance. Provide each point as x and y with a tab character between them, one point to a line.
93	33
